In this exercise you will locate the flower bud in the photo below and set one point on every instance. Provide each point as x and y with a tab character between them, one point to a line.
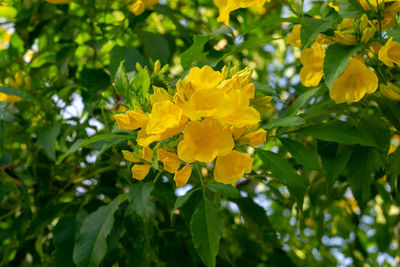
157	66
390	91
345	38
367	34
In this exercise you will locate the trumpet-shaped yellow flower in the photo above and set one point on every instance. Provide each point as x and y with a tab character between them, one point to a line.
204	78
313	62
203	141
390	53
345	38
255	138
165	115
294	38
232	167
170	160
59	1
159	95
139	6
356	81
139	172
227	6
132	120
182	176
390	91
9	98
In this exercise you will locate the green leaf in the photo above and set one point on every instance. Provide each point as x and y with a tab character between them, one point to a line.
336	59
265	88
360	177
155	46
350	9
91	243
394	33
301	100
180	201
227	190
84	142
334	158
377	130
339	132
393	166
121	83
391	110
310	28
206	228
95	80
47	141
142	83
291	121
131	56
283	171
195	52
64	237
301	154
11	91
139	200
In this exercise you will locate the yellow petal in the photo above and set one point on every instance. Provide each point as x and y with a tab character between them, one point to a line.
255	138
204	78
390	53
9	98
232	167
345	38
170	160
137	8
294	38
147	154
129	156
139	172
182	176
390	91
160	94
165	115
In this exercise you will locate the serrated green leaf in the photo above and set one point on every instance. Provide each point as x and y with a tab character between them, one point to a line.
139	200
91	243
121	83
310	28
301	154
206	229
180	201
195	52
301	101
226	190
291	121
350	9
339	132
336	59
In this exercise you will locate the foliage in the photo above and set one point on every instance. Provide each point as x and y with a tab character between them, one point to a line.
318	122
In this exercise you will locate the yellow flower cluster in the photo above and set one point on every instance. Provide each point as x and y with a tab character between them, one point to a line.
227	6
358	78
210	113
140	6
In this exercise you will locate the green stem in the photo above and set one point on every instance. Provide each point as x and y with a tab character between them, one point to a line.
157	176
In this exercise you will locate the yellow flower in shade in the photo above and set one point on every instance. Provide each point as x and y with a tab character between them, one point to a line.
129	156
232	167
345	38
159	95
170	160
204	78
59	1
139	172
182	176
313	62
9	98
390	91
242	114
133	120
356	81
390	53
165	115
294	38
367	34
139	6
255	138
203	141
227	6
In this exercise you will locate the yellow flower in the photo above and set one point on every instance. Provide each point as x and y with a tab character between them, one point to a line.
165	115
159	95
133	120
203	141
255	138
356	81
59	1
313	62
232	167
129	156
147	154
170	160
345	38
8	12
335	7
367	34
139	172
242	114
9	98
294	38
182	176
390	91
390	53
204	78
139	6
227	6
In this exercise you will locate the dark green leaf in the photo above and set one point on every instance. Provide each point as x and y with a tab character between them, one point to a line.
64	237
301	154
47	141
155	46
180	201
195	52
310	28
131	56
121	83
337	131
11	91
291	121
336	59
139	200
265	88
91	243
206	228
350	9
377	130
391	110
301	100
227	190
393	166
